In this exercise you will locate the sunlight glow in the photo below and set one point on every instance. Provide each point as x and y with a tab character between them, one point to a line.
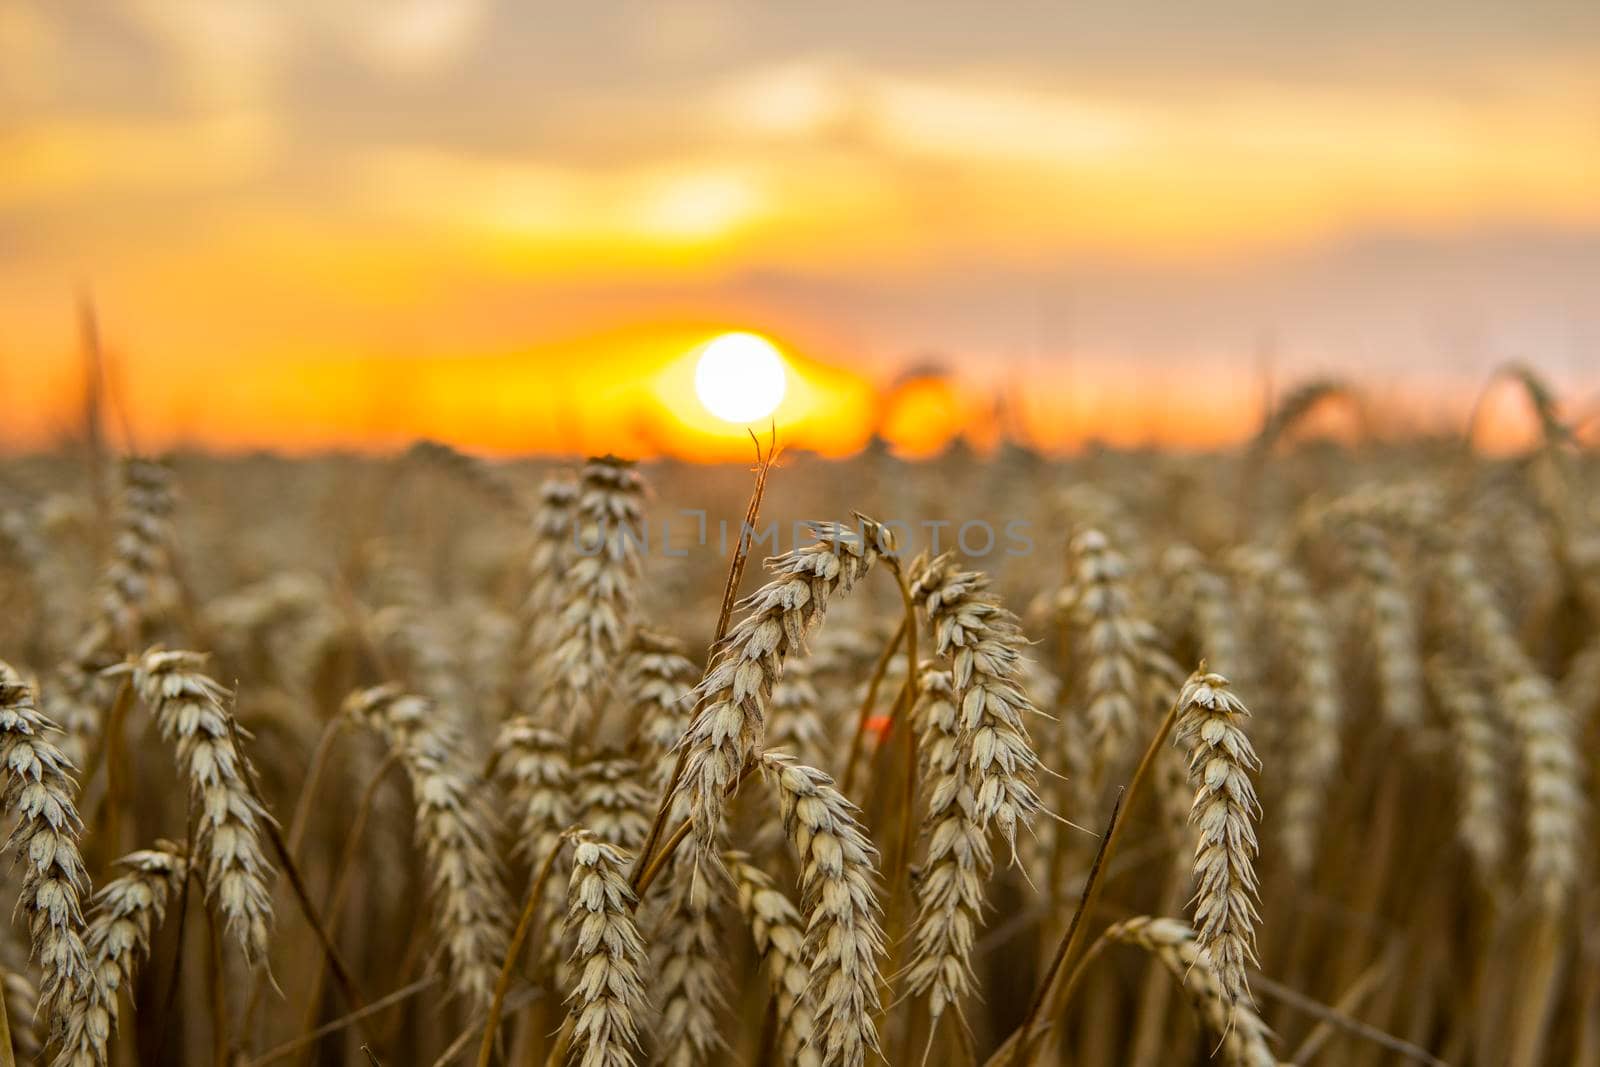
740	377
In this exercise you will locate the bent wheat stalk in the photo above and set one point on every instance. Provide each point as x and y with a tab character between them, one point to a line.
728	730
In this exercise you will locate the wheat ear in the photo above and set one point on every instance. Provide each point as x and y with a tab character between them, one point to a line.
22	1009
613	803
775	926
687	955
539	616
597	591
1552	770
1479	741
949	885
80	689
984	645
1314	704
1098	605
127	911
1392	628
189	708
659	679
1211	726
455	831
38	792
796	723
843	937
1245	1038
607	957
728	730
136	559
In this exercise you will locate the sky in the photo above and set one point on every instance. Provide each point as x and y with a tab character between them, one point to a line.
325	223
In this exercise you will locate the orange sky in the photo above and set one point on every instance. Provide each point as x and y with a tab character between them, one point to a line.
310	225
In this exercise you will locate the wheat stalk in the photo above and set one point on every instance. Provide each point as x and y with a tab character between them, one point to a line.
1312	700
775	925
1098	603
597	592
1245	1039
127	911
1479	742
456	833
189	709
984	646
843	938
38	793
1211	725
949	885
727	732
607	957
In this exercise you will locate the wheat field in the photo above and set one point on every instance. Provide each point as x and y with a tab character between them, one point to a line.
1283	755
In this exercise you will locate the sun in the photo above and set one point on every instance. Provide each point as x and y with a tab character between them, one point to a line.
740	377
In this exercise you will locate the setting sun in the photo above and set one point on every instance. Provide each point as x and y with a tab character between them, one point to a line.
740	377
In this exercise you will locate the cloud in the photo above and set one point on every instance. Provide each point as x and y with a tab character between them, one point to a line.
409	37
63	162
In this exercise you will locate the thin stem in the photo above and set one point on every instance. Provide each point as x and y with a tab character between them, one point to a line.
530	911
905	710
659	862
219	1005
879	669
1366	982
302	896
333	905
730	596
1021	1041
1091	893
1321	1011
171	999
1079	969
308	792
558	1051
297	831
7	1058
290	1047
